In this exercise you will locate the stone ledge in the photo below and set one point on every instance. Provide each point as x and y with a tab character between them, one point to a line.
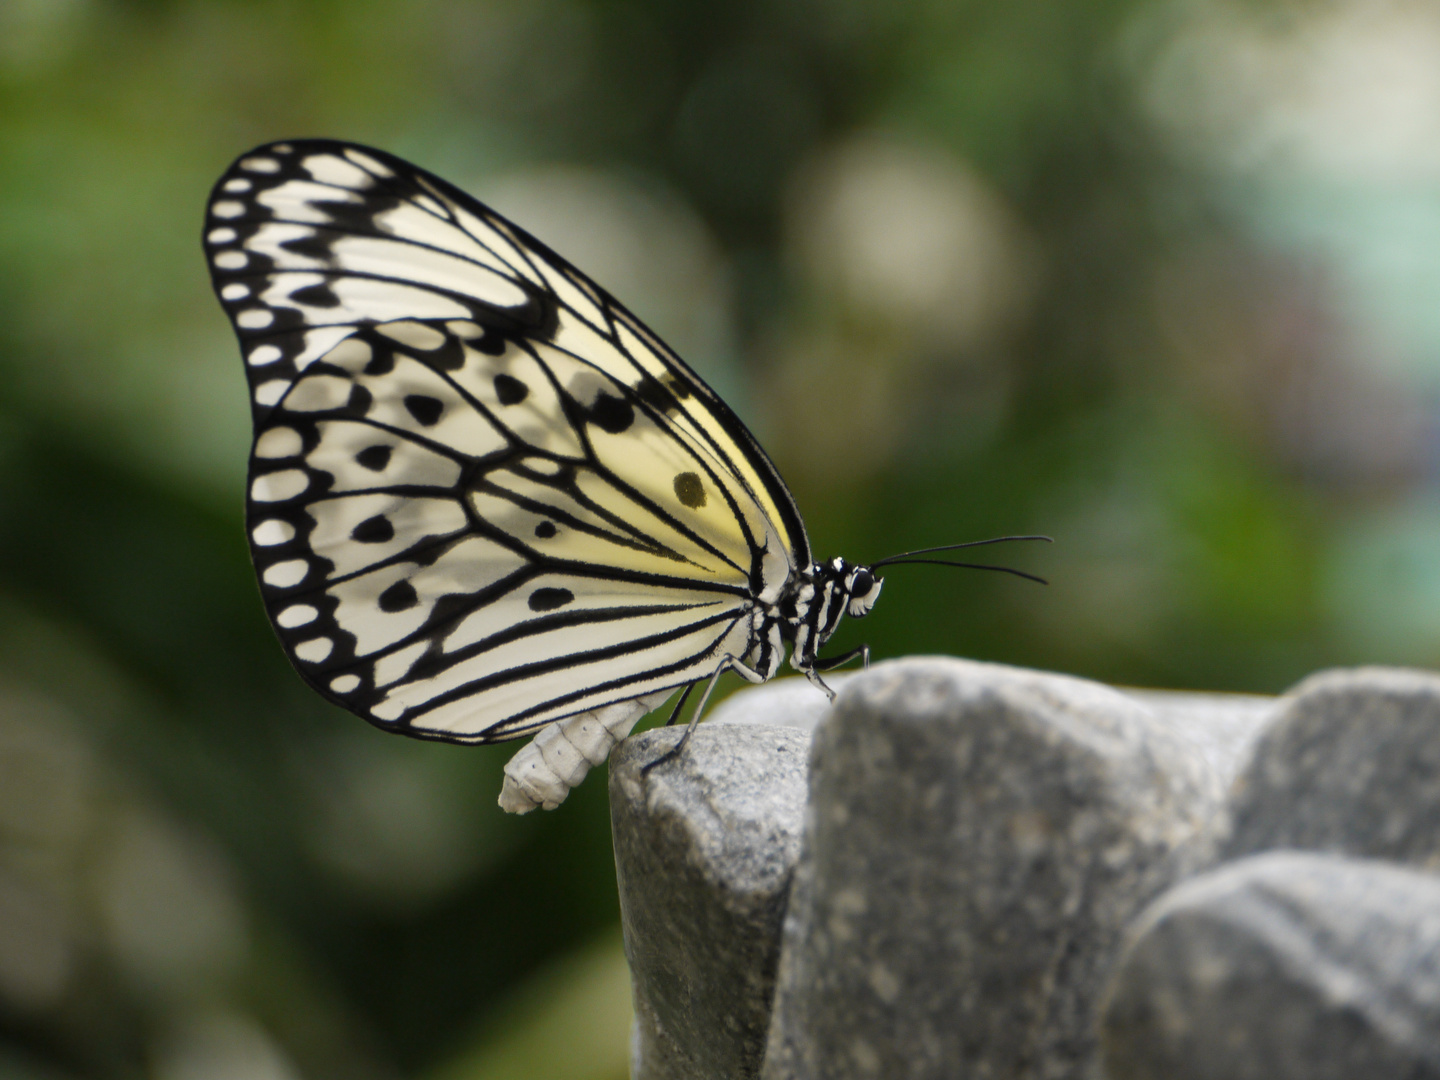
705	847
950	885
1282	966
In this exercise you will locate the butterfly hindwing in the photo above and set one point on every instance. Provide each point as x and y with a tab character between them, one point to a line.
483	496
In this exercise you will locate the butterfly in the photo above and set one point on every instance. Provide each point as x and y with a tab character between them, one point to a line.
485	500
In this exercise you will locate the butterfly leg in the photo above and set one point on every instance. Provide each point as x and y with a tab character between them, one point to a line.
833	662
814	676
675	712
729	663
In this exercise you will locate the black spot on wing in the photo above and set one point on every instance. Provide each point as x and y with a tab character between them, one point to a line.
425	409
382	362
658	395
360	400
448	357
493	343
320	296
375	530
398	597
611	414
374	458
431	663
689	490
316	245
359	216
549	599
545	530
510	390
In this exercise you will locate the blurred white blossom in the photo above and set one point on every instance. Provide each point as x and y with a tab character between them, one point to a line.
221	1046
908	236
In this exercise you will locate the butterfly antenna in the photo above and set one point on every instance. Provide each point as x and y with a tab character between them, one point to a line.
909	555
966	565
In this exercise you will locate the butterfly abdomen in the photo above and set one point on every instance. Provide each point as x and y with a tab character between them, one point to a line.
542	773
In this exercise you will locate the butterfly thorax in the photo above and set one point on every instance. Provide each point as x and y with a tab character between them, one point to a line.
814	602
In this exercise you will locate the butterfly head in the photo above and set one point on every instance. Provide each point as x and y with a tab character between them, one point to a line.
862	589
853	591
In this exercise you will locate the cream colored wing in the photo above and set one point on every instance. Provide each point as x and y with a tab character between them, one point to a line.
483	496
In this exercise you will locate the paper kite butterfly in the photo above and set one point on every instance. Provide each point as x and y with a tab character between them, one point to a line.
485	500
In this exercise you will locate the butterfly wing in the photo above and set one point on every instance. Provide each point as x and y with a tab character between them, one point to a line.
483	495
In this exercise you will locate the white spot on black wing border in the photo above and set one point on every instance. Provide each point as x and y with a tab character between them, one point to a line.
339	674
234	217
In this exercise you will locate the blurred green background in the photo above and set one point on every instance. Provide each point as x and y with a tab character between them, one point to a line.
1161	279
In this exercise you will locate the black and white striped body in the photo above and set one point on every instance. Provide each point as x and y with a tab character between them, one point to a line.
814	605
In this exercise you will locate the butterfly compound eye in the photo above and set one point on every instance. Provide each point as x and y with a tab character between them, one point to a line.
862	583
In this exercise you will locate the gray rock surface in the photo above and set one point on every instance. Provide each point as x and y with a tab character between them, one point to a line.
704	849
976	840
1223	727
792	701
1279	966
1350	764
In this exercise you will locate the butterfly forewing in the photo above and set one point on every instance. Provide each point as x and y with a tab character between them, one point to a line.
483	496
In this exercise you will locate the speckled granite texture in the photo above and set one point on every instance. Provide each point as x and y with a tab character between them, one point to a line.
964	869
